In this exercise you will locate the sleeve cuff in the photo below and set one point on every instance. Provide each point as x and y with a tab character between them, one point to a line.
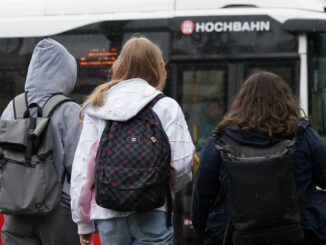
86	228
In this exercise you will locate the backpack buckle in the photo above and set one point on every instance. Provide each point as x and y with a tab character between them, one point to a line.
30	133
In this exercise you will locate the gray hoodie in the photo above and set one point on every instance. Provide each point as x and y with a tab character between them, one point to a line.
53	70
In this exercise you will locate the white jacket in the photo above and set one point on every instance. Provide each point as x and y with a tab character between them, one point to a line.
122	102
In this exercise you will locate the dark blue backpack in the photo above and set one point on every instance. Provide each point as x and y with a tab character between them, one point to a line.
132	166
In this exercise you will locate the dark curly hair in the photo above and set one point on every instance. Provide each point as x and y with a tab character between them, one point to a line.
265	102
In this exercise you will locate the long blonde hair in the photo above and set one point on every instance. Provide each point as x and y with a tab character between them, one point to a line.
139	58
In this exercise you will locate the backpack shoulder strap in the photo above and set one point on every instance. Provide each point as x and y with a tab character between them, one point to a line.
52	103
168	191
20	105
153	101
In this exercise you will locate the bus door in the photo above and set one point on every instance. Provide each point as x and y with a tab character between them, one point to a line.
205	89
201	89
202	93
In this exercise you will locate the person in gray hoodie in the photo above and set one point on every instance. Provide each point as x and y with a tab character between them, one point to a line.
52	70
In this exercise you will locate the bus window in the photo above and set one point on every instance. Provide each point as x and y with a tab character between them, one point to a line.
287	69
317	81
97	46
203	93
205	89
15	54
94	54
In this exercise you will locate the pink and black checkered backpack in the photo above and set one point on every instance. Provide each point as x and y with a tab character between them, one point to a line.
132	166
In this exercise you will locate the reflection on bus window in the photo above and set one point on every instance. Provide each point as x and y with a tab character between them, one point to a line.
94	54
203	98
15	54
212	116
317	82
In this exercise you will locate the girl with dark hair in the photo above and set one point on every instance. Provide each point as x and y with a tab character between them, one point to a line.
263	113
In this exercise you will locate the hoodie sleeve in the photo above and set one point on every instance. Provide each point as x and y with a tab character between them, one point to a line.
68	128
79	174
182	147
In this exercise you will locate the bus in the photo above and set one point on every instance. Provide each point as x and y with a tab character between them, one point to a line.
209	47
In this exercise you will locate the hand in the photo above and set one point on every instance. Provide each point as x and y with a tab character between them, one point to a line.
85	239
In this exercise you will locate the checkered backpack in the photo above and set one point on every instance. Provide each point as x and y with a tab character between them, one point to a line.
132	166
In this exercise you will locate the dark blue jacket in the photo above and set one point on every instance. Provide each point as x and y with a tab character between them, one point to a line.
208	211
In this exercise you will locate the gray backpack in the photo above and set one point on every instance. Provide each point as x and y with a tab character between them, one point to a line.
29	183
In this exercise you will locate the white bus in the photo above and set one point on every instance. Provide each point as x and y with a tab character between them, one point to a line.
209	47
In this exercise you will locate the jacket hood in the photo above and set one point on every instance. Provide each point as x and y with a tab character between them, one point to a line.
124	100
259	138
253	138
52	70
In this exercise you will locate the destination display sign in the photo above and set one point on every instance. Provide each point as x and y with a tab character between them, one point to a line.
99	56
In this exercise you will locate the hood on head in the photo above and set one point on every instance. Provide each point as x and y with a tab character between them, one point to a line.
52	70
125	100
